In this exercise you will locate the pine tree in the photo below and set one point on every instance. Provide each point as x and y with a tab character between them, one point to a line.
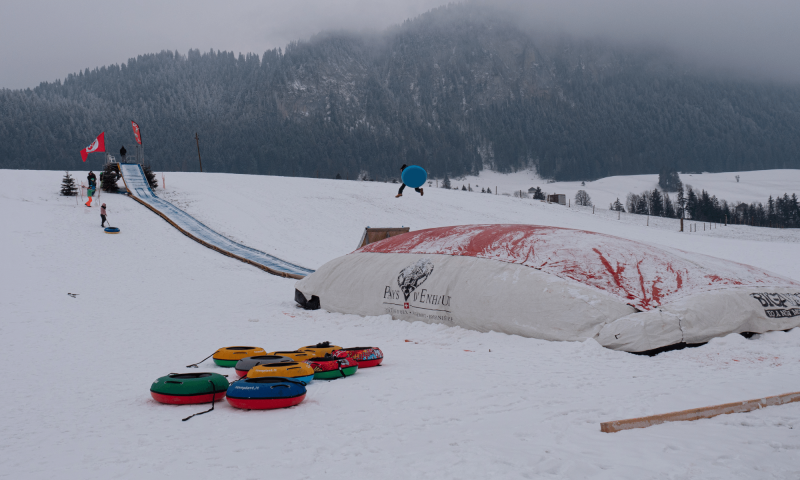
669	208
464	188
538	194
109	178
488	190
446	182
68	188
656	203
483	190
151	177
339	177
681	202
617	206
691	203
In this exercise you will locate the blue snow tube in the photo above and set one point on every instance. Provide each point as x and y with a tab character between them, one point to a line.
266	393
111	230
414	176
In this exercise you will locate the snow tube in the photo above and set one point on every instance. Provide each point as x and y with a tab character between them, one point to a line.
329	368
365	356
266	393
189	388
295	355
320	349
228	356
244	365
414	176
111	230
555	284
295	370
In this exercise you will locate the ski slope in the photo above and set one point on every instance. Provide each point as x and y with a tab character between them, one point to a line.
447	402
137	185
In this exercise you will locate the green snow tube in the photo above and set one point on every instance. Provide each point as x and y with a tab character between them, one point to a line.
189	388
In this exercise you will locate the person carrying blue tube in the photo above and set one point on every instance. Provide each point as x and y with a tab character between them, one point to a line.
403	186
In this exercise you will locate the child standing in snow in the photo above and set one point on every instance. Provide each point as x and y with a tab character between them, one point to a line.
103	215
403	186
89	193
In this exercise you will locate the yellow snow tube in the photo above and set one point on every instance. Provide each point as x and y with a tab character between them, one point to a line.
228	356
295	355
320	349
297	370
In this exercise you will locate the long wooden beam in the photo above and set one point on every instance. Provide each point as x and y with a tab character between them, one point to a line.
698	413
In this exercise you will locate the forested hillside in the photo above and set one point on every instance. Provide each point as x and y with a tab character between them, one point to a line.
456	90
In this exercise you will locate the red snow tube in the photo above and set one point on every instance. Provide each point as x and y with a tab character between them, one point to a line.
186	399
365	356
265	403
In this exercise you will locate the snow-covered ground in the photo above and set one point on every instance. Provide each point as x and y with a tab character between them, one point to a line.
447	403
753	186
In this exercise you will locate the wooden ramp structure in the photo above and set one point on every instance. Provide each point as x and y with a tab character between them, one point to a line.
372	235
698	413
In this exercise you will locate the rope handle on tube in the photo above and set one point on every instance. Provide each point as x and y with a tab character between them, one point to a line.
195	365
213	397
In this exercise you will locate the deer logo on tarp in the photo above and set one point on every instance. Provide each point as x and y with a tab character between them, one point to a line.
414	275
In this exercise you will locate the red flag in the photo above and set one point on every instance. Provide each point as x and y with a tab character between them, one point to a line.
99	145
136	132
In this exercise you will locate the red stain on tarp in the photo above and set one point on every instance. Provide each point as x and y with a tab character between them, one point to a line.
645	275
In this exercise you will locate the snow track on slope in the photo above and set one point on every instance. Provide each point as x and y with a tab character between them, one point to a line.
139	189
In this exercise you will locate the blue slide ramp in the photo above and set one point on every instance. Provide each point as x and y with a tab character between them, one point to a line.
139	190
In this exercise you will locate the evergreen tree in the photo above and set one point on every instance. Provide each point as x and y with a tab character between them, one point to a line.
109	178
669	208
641	206
488	190
771	211
538	194
617	206
339	177
483	190
151	177
656	203
681	202
668	179
464	188
68	188
691	203
446	182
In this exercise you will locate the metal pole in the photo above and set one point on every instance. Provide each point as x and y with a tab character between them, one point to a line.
197	138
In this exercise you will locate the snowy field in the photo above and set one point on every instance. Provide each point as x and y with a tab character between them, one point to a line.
447	402
753	186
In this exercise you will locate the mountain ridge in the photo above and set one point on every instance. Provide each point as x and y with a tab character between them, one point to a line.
456	90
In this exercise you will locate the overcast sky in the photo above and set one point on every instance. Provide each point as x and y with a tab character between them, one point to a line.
46	40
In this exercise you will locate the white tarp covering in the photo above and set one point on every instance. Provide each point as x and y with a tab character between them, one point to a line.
556	284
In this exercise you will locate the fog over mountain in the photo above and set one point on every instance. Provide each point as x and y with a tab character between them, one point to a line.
463	87
45	41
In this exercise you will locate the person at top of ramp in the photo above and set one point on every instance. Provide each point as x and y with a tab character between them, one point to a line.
122	153
403	186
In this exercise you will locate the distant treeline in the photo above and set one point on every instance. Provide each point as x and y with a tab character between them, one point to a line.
455	90
780	212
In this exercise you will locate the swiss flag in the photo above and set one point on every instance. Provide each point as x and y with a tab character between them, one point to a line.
99	145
